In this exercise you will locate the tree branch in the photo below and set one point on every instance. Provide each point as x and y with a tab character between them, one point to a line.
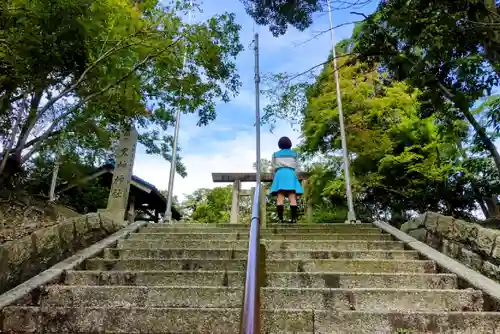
361	14
37	139
324	32
30	121
16	98
49	132
318	65
118	47
82	102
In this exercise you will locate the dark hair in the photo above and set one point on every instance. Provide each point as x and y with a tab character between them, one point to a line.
285	143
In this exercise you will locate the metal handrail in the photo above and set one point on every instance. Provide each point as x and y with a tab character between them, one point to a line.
250	311
250	316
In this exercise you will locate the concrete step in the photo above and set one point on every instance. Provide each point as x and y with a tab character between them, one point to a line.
198	225
65	320
406	322
365	228
171	253
270	244
336	226
237	278
180	320
244	236
322	225
272	298
391	266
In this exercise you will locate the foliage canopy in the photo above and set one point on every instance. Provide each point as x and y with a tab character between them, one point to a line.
87	69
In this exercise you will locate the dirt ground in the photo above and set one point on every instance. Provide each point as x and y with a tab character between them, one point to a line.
21	215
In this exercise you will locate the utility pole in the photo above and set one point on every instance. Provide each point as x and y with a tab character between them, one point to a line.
173	164
351	215
55	172
257	108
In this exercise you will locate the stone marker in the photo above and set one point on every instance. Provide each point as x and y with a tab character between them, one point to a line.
122	175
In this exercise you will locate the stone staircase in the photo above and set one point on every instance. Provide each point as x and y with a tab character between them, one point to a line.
189	278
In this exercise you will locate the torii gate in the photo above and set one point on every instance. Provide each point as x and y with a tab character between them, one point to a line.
237	178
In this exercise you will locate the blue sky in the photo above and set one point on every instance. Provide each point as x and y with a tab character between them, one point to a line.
228	143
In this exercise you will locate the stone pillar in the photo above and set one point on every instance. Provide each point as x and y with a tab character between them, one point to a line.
235	203
308	204
122	175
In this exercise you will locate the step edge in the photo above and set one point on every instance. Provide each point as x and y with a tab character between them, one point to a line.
60	287
277	250
290	273
286	310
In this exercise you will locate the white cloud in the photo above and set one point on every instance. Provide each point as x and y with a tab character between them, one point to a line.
245	99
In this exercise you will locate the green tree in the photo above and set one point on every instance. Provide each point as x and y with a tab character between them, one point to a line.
210	205
278	15
325	174
447	49
401	162
266	166
37	178
90	68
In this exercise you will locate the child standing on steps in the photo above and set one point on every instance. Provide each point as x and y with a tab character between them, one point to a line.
285	181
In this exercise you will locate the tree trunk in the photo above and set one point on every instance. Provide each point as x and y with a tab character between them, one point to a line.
398	217
29	123
483	207
493	207
10	144
9	176
481	132
480	200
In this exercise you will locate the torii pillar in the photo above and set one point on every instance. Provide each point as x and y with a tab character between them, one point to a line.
235	203
238	178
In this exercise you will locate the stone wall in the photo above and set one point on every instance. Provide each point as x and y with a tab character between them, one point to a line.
471	244
26	257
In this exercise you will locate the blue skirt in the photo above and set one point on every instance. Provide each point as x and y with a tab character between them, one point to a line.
285	179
